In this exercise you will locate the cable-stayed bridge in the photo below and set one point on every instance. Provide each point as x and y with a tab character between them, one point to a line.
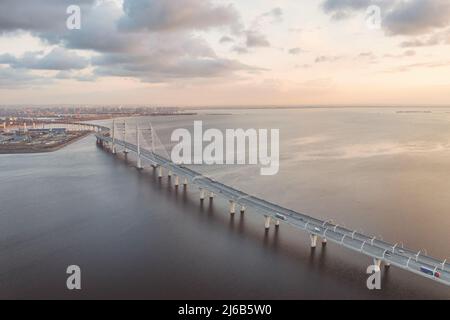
142	144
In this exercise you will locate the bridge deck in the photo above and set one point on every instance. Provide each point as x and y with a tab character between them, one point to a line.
390	253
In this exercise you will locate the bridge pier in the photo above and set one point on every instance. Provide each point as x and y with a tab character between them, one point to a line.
243	208
277	223
377	262
160	172
232	207
267	223
211	195
169	174
202	194
324	241
313	240
185	182
177	181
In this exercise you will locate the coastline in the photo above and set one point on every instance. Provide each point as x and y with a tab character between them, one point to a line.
42	149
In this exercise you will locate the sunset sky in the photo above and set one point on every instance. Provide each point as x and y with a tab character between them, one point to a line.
225	52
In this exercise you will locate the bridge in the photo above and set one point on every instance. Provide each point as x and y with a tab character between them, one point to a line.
380	251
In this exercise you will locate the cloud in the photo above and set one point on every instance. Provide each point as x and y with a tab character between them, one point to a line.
342	9
367	56
20	78
425	65
226	39
295	51
331	6
275	15
149	40
417	17
437	38
303	66
407	53
322	59
57	59
255	38
37	16
176	57
163	15
240	49
399	17
75	75
99	32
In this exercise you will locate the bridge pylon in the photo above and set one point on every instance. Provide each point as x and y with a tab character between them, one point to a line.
113	149
138	140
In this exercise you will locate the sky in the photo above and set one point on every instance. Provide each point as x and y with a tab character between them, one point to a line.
226	52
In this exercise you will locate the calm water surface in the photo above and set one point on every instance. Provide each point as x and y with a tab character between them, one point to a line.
133	236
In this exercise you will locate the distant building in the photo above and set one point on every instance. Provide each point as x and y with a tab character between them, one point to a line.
19	138
58	130
39	131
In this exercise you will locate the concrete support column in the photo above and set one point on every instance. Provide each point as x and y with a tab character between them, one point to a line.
185	182
177	181
267	223
277	223
232	207
169	174
139	162
160	172
202	194
377	262
324	241
211	195
243	208
387	264
313	240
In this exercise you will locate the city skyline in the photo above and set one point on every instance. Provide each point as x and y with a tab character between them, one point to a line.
219	53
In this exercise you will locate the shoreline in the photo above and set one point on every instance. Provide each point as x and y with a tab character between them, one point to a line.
40	149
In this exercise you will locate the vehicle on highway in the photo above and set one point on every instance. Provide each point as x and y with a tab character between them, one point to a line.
430	272
280	217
